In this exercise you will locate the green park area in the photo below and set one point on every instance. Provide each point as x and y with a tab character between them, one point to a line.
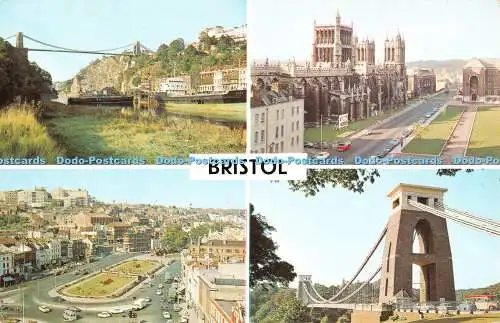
100	285
223	112
485	137
431	139
136	267
331	134
81	131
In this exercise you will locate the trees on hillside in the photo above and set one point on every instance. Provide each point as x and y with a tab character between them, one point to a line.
19	77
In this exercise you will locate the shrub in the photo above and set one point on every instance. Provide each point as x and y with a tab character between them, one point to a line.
107	281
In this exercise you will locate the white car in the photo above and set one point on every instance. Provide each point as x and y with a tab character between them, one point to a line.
368	132
104	315
158	292
44	309
147	299
166	315
177	308
117	310
184	320
428	115
170	321
160	286
320	156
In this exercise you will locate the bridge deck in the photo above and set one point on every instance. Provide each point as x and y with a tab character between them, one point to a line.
360	307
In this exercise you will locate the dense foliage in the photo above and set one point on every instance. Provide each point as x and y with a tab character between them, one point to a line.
19	77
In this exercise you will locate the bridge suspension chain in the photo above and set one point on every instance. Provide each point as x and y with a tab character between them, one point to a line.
348	297
76	50
467	214
462	219
7	38
368	257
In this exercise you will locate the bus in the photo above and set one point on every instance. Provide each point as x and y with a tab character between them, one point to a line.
484	302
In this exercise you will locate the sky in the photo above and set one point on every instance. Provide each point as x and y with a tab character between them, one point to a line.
329	235
148	186
433	29
105	24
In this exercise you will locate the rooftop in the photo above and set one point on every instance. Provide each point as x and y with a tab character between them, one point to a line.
483	63
413	187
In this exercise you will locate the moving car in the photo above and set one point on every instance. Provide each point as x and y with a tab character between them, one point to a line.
104	315
69	315
147	299
166	315
344	146
308	144
74	309
428	115
132	314
44	309
116	310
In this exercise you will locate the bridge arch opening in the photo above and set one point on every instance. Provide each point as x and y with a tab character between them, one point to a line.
423	242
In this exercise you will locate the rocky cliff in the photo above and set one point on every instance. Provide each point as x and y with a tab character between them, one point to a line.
103	73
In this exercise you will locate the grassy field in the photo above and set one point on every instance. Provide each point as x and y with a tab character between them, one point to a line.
23	136
138	267
95	287
434	136
102	133
485	137
226	111
329	134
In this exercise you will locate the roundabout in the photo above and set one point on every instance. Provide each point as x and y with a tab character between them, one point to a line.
112	282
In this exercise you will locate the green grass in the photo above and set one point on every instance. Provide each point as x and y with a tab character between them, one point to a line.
102	133
485	137
223	112
433	137
137	267
329	134
94	287
23	136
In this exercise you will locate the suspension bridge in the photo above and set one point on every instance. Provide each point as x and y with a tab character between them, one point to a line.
418	215
132	49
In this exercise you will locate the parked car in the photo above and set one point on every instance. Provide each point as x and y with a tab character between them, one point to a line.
184	320
104	315
427	307
308	144
44	309
368	132
445	307
147	299
160	286
132	314
344	146
428	115
166	315
158	292
74	309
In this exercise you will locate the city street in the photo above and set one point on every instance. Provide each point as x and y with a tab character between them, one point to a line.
36	293
374	143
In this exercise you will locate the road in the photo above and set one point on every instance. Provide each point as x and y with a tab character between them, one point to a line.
371	145
36	292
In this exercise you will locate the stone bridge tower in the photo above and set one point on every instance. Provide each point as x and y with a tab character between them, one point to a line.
407	223
301	293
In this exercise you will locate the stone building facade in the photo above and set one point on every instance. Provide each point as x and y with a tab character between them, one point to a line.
341	78
421	81
481	80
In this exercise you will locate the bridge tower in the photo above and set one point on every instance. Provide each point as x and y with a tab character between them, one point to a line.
301	289
137	48
407	223
19	40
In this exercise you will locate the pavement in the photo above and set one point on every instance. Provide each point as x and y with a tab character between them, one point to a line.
390	128
459	140
35	293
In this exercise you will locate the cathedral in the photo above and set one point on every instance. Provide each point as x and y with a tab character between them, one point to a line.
341	77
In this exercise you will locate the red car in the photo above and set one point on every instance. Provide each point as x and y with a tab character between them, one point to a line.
344	146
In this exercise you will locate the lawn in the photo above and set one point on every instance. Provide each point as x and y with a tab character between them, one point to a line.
23	136
138	267
103	133
485	137
96	286
224	111
330	134
434	136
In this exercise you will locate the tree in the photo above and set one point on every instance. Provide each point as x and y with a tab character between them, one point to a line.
265	264
286	308
351	179
174	238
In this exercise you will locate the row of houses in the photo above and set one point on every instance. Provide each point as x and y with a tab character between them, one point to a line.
20	258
